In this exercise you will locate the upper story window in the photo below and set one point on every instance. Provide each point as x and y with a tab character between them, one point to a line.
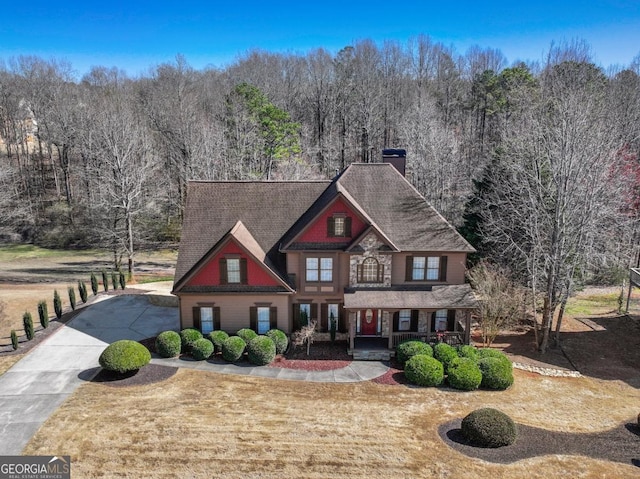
339	225
233	271
370	271
426	268
319	269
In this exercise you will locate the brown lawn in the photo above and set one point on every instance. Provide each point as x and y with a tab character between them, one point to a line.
201	424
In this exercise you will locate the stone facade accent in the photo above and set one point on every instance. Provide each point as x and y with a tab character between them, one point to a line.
423	320
385	324
371	246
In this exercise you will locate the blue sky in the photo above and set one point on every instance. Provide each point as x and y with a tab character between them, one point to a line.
136	35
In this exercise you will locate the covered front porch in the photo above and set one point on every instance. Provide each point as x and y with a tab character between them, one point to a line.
380	320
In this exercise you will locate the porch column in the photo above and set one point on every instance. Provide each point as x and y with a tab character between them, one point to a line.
390	328
352	330
467	327
429	325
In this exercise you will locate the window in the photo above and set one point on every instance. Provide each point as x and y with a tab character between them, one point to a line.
338	226
426	268
319	269
404	320
233	270
371	271
305	314
433	268
418	268
206	318
332	312
264	320
441	320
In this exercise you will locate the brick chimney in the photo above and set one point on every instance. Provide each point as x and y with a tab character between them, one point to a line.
397	158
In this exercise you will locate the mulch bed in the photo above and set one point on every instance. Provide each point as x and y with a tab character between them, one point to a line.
323	356
621	444
149	374
394	375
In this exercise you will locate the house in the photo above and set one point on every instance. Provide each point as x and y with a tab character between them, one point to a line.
365	249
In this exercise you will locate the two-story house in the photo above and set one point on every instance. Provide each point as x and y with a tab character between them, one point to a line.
364	248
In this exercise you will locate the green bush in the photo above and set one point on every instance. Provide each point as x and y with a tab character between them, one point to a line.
94	284
14	339
488	427
217	338
123	281
115	279
82	289
43	314
497	373
27	321
105	280
188	337
57	304
424	370
280	340
72	297
233	348
408	349
201	349
168	344
445	354
261	350
124	356
464	374
490	353
247	334
466	351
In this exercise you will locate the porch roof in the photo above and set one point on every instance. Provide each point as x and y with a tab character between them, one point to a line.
455	296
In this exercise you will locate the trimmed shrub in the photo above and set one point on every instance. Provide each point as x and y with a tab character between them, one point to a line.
497	373
123	281
201	349
94	284
105	280
188	337
217	338
467	351
124	356
72	297
279	339
57	304
43	314
261	350
424	370
247	334
233	348
491	353
488	427
408	349
27	321
445	354
82	289
115	275
168	344
14	339
464	374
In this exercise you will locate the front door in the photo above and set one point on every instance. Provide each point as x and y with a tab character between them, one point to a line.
369	322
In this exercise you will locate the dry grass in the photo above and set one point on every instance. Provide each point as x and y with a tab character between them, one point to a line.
7	361
200	424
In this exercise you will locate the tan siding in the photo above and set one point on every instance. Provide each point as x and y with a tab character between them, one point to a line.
234	309
293	266
456	266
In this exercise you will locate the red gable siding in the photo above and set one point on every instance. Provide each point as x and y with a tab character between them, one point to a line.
209	275
317	231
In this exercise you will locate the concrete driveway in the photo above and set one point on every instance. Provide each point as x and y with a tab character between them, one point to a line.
37	384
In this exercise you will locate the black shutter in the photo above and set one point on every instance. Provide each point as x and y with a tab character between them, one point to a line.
443	268
396	321
314	312
331	227
253	318
216	319
408	275
414	320
380	273
342	320
243	270
196	317
451	319
347	226
223	271
324	313
433	322
295	323
273	317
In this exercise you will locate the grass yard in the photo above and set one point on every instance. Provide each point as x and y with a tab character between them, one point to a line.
201	424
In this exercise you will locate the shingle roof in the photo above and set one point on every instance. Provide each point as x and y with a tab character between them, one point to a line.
456	296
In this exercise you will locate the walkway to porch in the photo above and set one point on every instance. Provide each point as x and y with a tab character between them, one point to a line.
371	349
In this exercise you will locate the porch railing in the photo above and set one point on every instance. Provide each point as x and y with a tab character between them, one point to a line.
453	338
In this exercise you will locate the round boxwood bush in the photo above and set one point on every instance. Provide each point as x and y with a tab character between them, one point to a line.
261	350
124	356
201	349
168	344
497	373
445	354
464	374
247	334
408	349
217	338
424	370
233	348
188	337
280	339
488	427
467	351
491	353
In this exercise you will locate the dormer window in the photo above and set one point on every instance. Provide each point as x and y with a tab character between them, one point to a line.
339	226
233	270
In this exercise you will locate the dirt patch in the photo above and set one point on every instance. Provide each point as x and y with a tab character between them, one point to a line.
323	356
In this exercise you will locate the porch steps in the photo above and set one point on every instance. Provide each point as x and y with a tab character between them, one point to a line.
371	355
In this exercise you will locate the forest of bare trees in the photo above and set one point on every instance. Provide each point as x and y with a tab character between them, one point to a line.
536	162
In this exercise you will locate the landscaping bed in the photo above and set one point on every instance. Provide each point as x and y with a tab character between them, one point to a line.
323	356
